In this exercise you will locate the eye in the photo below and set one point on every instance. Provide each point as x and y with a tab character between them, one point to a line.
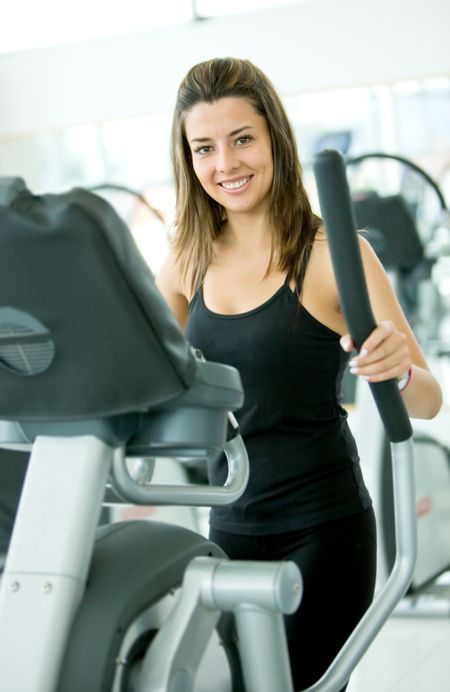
203	149
243	139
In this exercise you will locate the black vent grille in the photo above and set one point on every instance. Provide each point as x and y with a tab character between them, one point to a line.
26	346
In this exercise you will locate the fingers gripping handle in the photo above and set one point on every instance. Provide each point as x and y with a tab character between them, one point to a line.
337	212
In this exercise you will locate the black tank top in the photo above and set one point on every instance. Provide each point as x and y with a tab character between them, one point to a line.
304	466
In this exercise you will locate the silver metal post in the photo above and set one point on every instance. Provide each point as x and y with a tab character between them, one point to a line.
395	588
48	559
263	650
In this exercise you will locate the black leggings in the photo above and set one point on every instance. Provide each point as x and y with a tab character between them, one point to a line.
338	564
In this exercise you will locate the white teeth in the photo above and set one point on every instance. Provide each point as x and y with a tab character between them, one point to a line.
236	184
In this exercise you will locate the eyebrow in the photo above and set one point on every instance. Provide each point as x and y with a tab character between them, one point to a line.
231	134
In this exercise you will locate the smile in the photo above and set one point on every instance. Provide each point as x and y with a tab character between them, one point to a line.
235	184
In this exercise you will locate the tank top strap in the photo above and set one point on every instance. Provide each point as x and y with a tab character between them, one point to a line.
198	290
195	296
301	275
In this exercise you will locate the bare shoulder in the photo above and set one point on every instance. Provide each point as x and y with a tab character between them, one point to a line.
378	282
320	265
320	244
319	293
322	256
172	286
169	274
369	256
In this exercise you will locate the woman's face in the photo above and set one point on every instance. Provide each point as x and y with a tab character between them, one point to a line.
231	153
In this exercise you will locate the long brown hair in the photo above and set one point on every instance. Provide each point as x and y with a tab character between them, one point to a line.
199	218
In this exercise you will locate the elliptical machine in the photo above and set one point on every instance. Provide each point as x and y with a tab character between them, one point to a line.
93	371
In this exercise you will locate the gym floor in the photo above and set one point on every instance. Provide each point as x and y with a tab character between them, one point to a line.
409	655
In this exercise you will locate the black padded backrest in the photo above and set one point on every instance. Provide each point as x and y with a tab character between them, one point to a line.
391	230
84	331
10	188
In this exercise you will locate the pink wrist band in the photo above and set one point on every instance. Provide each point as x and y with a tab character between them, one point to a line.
404	380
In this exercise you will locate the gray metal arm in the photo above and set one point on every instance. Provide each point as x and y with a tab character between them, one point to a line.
193	495
257	592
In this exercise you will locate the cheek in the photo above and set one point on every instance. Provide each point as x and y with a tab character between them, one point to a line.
271	173
200	171
203	175
267	165
270	167
264	162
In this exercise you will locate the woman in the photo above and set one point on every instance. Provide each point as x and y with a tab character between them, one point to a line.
249	277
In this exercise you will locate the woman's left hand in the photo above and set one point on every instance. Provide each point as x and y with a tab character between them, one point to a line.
384	355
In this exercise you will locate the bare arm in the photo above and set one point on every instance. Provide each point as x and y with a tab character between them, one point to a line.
392	347
171	287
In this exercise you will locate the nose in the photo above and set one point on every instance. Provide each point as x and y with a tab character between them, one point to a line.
227	160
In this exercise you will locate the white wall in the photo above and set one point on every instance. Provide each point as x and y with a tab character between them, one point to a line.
315	45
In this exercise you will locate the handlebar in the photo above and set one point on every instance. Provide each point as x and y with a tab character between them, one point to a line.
337	211
130	490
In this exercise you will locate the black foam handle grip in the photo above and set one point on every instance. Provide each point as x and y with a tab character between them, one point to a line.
338	216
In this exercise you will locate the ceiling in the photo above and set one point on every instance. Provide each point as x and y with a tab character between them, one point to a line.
29	25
